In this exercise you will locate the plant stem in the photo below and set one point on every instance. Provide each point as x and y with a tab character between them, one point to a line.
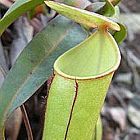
27	123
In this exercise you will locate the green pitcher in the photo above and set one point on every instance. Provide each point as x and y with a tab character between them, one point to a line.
81	79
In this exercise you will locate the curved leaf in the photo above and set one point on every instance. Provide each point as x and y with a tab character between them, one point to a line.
120	35
82	16
117	12
107	10
35	63
16	10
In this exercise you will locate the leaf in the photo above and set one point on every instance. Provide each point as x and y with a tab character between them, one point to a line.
117	12
120	35
16	10
82	16
34	65
81	78
107	10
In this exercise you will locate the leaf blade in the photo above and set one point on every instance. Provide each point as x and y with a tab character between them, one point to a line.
82	16
108	9
120	35
35	63
16	10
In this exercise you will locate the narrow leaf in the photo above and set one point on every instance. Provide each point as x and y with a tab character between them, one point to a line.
35	63
82	16
16	10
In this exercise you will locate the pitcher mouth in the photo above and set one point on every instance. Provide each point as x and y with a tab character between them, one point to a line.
109	69
108	72
105	73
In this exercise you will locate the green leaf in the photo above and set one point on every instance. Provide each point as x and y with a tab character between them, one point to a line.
17	9
117	12
82	16
107	10
104	8
81	78
120	35
35	63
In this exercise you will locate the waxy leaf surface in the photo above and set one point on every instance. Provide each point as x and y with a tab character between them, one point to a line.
35	63
17	9
81	78
107	10
82	16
